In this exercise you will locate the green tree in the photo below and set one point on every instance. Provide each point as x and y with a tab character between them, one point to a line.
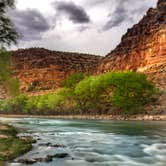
6	80
132	91
93	92
8	34
72	80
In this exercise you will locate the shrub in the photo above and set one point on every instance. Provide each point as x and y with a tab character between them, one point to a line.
12	86
6	80
33	86
58	100
14	105
92	92
72	80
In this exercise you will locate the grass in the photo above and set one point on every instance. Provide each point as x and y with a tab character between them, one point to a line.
12	146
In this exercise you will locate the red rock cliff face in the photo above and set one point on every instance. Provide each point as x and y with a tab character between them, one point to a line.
47	69
143	47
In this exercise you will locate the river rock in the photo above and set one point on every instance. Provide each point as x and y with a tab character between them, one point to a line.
47	159
45	144
26	161
57	146
61	155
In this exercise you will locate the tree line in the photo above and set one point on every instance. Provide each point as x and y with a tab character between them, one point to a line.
111	93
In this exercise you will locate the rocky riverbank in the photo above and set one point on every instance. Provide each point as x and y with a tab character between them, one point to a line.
47	159
11	145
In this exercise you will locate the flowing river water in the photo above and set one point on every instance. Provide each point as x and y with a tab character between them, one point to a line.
95	143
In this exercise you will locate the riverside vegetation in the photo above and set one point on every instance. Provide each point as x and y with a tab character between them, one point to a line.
124	93
10	84
11	146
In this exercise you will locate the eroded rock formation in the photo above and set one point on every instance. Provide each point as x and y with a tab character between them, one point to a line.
47	69
143	47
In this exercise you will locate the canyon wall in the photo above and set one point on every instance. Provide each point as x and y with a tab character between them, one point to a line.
142	48
42	69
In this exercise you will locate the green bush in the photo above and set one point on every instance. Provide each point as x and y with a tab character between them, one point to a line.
94	92
33	86
5	60
72	80
59	98
87	93
6	80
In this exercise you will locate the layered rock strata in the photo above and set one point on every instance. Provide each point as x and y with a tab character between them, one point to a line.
47	69
142	48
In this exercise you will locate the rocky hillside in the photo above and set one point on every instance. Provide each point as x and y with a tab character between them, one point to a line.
143	47
42	69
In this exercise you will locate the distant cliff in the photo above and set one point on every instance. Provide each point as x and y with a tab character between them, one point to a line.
42	69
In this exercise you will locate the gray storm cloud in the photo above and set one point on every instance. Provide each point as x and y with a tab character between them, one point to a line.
29	23
75	13
125	11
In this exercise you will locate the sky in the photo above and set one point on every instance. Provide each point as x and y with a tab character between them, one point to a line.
87	26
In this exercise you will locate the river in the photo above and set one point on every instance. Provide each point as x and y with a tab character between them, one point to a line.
94	142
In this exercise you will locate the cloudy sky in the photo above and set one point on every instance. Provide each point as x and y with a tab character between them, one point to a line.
89	26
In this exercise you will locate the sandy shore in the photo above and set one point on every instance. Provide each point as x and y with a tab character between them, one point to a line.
95	117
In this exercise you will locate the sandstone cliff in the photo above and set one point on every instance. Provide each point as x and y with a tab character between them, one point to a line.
47	69
142	48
